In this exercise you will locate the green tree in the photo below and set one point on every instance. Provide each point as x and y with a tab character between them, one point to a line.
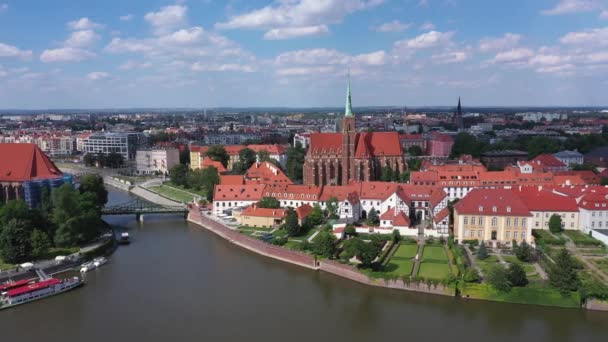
404	177
324	244
269	202
396	236
65	204
387	174
89	159
350	230
264	156
482	252
211	178
498	277
604	181
295	162
247	157
14	210
562	274
40	244
78	230
555	224
471	275
291	225
179	175
517	275
524	252
332	208
15	244
372	217
365	252
218	153
414	151
94	184
316	215
195	179
414	164
465	143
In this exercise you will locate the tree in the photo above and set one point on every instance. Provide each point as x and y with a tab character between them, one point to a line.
323	244
211	178
414	164
365	252
179	174
562	274
387	174
498	277
316	215
264	156
350	230
471	275
404	177
114	160
246	158
291	225
78	230
184	155
482	252
465	143
218	153
523	252
555	224
295	162
604	181
89	159
414	150
195	179
372	217
517	275
15	245
269	202
40	244
332	208
65	204
94	184
14	210
396	236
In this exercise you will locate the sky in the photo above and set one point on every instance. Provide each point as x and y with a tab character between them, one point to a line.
299	53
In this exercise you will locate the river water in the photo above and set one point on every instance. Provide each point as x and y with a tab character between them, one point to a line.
178	282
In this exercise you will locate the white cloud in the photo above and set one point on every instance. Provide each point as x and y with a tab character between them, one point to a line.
295	32
167	18
127	17
423	3
597	57
594	37
130	65
66	54
304	71
97	75
3	7
13	51
573	6
198	66
330	61
560	69
513	55
311	16
392	26
450	57
81	38
426	40
604	14
427	26
184	36
548	59
312	57
509	40
84	24
372	58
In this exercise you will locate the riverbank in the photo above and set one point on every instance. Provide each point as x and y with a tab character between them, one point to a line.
468	291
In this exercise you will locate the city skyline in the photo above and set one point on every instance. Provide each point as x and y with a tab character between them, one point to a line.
296	53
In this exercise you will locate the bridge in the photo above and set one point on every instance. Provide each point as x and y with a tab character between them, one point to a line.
140	207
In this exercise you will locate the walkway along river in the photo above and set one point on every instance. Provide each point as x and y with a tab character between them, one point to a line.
179	282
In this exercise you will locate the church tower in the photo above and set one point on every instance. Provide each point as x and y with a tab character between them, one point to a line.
458	121
348	140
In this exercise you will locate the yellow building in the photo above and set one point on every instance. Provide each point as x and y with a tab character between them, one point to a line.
496	216
253	216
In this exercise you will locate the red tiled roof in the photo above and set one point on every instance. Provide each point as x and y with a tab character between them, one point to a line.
253	210
326	142
207	162
498	202
544	200
445	212
248	192
377	190
303	211
399	219
293	192
378	144
266	173
232	180
275	149
441	137
343	192
548	160
588	176
23	162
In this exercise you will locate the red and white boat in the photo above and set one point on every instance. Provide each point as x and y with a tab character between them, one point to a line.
26	291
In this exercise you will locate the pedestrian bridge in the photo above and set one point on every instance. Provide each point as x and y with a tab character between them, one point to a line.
139	207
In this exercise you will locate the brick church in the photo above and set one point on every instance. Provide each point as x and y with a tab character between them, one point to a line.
347	156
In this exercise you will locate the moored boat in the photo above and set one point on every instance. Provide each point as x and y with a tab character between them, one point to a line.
100	261
32	291
125	239
87	266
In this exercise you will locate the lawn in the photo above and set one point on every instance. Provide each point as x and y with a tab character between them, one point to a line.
545	237
521	295
434	270
581	239
406	251
487	263
174	193
4	266
399	267
602	264
436	253
528	267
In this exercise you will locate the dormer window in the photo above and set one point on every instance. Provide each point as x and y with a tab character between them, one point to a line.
494	209
508	209
480	208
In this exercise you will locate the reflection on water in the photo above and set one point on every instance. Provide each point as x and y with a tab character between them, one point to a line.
181	283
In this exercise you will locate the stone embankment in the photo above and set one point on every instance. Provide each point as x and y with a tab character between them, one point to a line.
308	261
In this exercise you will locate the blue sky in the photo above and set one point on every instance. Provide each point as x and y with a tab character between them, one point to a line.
208	53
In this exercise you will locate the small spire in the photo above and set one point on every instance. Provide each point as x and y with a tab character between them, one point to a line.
348	110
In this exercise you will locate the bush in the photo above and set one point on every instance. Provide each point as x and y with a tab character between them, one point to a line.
517	275
471	242
350	230
498	277
471	275
482	253
524	252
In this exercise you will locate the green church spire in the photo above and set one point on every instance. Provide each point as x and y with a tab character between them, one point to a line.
348	110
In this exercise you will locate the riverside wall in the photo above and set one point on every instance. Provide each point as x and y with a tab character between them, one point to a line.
305	260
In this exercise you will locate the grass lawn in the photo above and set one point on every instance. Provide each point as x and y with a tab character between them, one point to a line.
602	264
521	295
292	244
399	267
406	251
434	270
528	267
580	239
173	193
262	229
4	266
434	253
487	263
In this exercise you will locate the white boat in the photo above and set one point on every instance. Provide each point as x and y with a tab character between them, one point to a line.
125	239
16	295
87	267
100	261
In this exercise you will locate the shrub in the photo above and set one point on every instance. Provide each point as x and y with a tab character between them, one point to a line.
482	253
471	275
498	277
517	275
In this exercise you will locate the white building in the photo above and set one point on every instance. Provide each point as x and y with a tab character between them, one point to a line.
124	143
570	157
156	161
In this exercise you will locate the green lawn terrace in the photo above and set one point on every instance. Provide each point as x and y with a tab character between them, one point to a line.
176	193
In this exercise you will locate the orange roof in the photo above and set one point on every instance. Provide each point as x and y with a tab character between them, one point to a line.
272	149
253	210
293	192
588	176
232	180
233	150
496	202
207	162
266	173
247	192
341	192
543	200
399	219
445	212
24	162
325	142
548	161
377	190
378	144
303	211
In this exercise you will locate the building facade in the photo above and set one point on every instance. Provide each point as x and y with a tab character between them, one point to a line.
125	144
156	161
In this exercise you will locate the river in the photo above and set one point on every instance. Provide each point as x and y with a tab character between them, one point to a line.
177	282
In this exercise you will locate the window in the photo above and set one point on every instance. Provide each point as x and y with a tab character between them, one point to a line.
480	208
515	222
515	235
480	220
537	214
523	222
593	214
508	234
494	209
592	224
494	221
523	235
466	233
572	216
536	225
466	220
508	209
480	233
508	222
472	220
